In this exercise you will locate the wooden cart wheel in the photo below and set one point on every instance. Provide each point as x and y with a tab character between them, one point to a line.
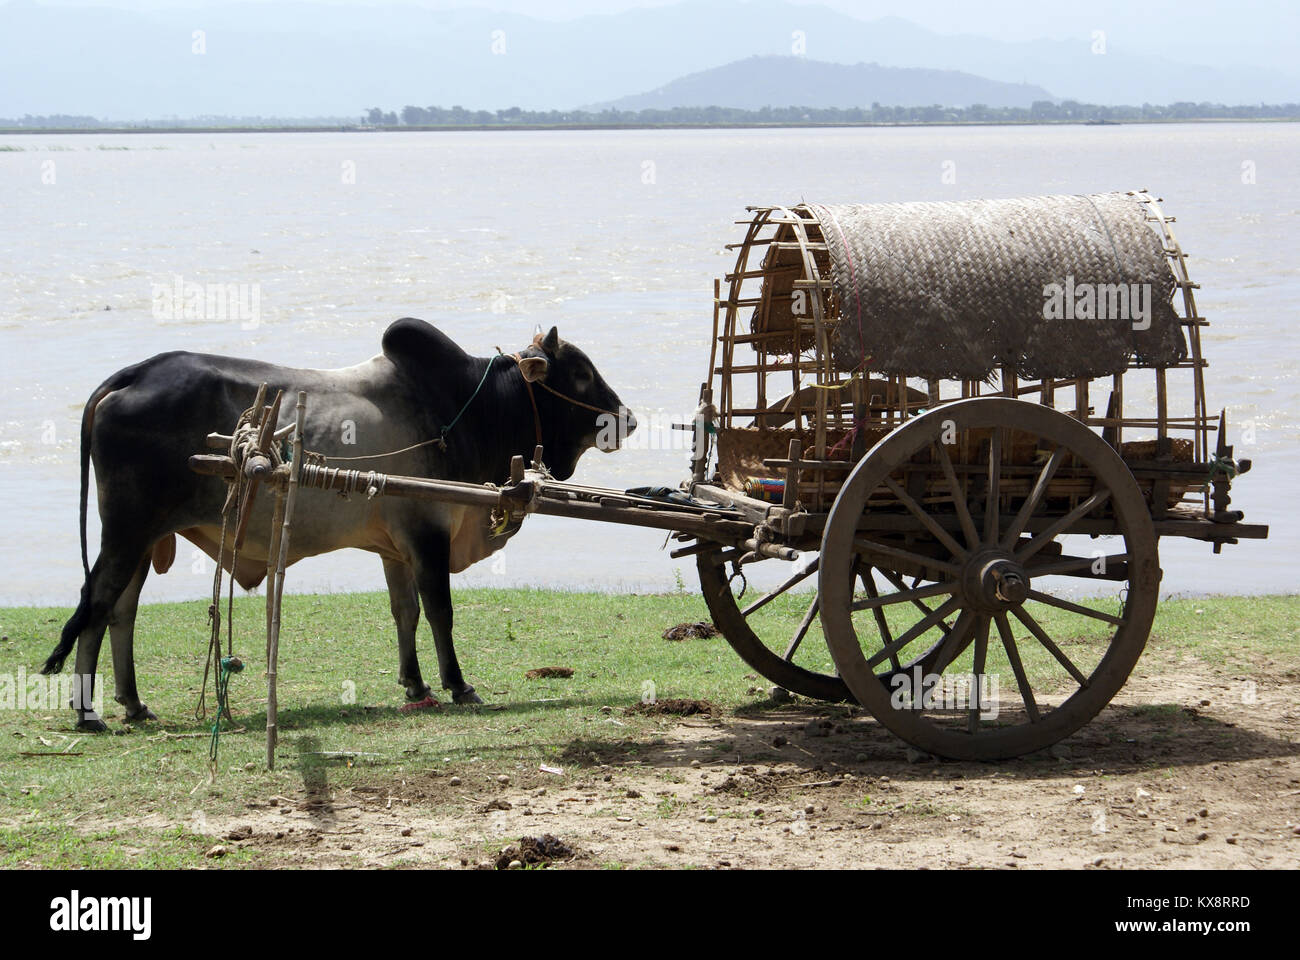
796	659
986	529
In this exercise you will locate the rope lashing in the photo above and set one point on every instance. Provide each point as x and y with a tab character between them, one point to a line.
353	481
1222	465
229	666
501	525
243	440
736	573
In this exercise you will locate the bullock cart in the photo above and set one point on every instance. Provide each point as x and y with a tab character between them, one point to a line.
959	431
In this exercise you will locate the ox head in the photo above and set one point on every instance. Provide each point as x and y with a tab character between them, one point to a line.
579	409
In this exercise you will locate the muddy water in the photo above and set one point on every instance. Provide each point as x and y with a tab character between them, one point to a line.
613	236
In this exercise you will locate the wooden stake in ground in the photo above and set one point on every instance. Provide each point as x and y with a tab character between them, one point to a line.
277	587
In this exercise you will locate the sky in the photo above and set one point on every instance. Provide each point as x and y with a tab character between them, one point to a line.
1262	32
295	58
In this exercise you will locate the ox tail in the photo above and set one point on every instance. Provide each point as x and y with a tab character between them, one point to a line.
81	616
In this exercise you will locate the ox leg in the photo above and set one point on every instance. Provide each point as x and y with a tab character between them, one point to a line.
433	573
404	601
109	577
121	636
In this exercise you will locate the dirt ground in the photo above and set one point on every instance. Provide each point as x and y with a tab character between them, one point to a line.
1204	779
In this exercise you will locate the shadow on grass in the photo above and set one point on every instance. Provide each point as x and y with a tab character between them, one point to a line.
326	716
314	716
1122	739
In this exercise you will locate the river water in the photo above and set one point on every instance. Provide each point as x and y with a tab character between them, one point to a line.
613	236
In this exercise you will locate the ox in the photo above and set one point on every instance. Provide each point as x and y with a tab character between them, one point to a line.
141	425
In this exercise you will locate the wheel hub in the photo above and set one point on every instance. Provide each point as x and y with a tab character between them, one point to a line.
993	581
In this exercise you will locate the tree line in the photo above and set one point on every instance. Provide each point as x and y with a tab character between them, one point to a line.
1041	111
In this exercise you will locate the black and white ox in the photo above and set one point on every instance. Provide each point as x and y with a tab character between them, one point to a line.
142	424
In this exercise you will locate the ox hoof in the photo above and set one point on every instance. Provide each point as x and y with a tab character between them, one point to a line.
415	696
466	696
141	715
91	724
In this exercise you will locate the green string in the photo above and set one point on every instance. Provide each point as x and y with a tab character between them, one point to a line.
1222	465
229	665
456	419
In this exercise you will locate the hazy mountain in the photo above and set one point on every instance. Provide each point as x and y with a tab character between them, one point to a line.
311	58
795	81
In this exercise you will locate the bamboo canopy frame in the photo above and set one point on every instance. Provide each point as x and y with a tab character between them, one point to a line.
807	357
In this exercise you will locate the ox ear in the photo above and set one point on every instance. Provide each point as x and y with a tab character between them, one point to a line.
551	342
533	368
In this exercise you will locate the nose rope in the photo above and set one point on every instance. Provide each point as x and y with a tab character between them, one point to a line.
532	399
563	396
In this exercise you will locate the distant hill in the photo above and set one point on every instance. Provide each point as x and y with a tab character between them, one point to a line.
772	81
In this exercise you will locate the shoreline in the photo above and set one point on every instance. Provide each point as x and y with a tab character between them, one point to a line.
721	125
477	592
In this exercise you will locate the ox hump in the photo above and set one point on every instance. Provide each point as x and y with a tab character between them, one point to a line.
417	346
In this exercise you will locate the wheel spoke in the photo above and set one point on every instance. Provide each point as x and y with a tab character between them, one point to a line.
977	671
898	583
918	628
877	600
958	498
927	521
882	625
793	580
809	616
1069	564
1052	601
1042	539
869	548
1041	636
1017	668
1034	499
954	644
991	516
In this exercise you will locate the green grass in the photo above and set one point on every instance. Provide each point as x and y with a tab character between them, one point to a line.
62	847
333	645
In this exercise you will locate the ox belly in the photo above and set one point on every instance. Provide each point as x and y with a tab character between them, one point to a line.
470	541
